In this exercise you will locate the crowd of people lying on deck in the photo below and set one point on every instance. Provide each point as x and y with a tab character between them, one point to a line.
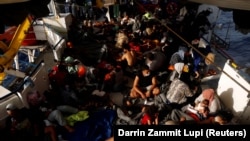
166	76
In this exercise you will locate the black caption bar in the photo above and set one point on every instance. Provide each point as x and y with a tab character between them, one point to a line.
190	132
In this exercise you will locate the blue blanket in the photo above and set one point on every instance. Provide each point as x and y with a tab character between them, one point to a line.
98	127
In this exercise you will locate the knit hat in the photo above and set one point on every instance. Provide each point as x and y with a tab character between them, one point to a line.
210	58
69	59
11	106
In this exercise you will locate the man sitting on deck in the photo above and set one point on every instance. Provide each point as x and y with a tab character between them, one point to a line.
128	56
144	83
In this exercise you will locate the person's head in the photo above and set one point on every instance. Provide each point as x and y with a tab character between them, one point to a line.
35	98
156	91
125	47
11	109
69	60
200	105
145	70
127	102
208	94
150	109
204	111
204	103
223	117
210	57
150	56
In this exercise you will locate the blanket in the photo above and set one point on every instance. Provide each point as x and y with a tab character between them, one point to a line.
98	127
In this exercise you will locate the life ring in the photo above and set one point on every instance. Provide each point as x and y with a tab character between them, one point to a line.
172	8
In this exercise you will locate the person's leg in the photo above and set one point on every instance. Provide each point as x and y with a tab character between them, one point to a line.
133	93
148	95
56	116
177	115
110	139
51	131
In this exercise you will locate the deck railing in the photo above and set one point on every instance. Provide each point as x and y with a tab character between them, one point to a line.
219	42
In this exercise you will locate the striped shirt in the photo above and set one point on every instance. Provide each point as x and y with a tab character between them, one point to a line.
178	92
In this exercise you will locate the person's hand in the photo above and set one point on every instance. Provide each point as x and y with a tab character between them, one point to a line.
143	96
147	93
197	74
